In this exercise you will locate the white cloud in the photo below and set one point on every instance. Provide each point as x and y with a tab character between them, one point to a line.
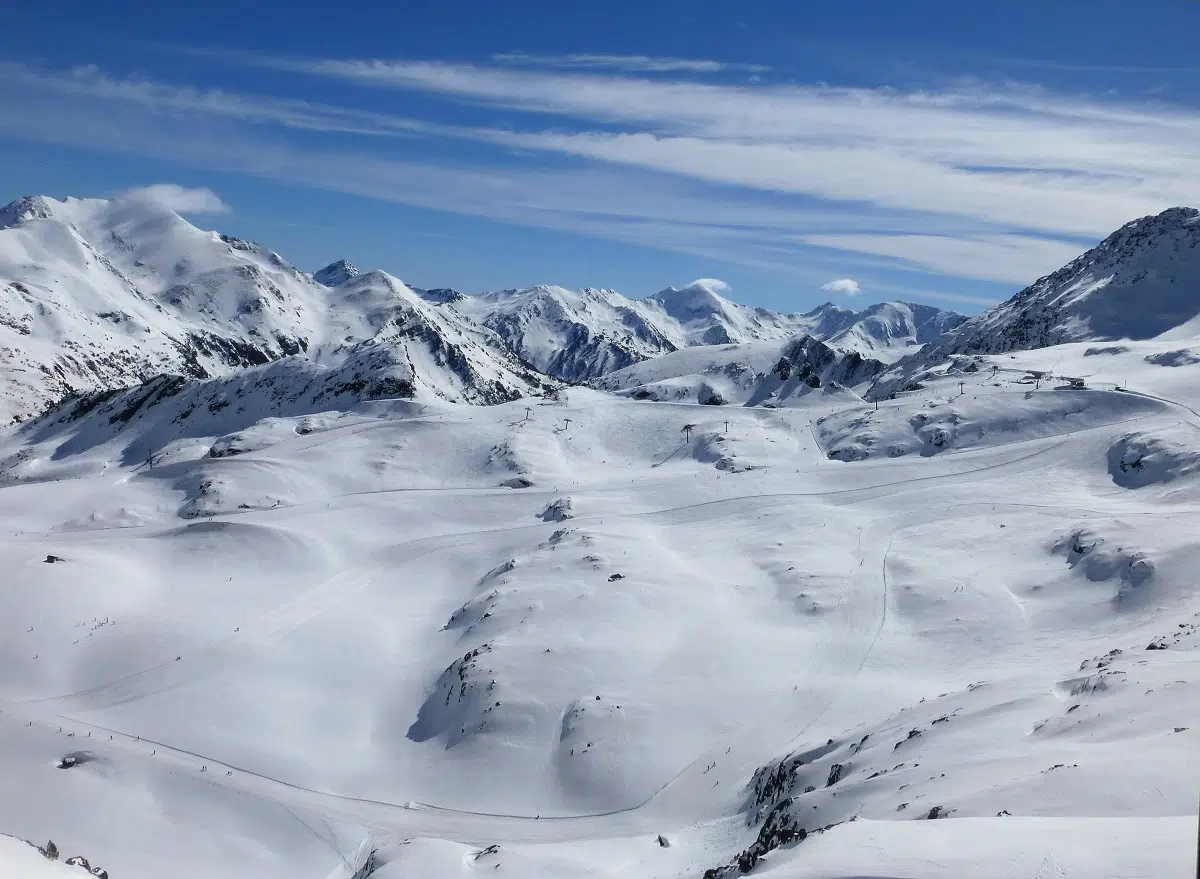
181	199
843	287
624	63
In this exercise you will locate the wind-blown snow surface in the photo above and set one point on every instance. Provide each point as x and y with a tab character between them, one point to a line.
341	640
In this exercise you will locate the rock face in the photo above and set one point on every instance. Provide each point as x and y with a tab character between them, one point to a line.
558	511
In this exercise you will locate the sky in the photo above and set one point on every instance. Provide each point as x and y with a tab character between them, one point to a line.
935	151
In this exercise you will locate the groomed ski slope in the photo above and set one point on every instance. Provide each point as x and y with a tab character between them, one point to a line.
360	638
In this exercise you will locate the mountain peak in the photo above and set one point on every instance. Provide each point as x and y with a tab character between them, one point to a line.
697	300
27	207
1138	283
335	273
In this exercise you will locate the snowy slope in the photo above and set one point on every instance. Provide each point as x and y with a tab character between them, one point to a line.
345	642
99	294
21	860
1139	283
582	334
802	371
314	617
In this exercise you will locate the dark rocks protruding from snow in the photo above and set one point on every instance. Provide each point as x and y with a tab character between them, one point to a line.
80	861
558	511
780	828
663	841
1137	460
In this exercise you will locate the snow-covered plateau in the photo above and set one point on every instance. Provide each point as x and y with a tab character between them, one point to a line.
328	576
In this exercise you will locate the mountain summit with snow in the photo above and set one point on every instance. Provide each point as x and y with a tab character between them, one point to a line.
335	273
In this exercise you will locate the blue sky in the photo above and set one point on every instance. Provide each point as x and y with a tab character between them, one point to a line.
936	151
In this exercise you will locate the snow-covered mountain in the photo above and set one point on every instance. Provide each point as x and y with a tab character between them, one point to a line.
582	334
98	294
335	273
572	334
1142	281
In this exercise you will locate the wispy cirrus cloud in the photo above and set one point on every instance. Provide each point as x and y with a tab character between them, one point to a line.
90	83
625	63
1003	258
996	182
1009	154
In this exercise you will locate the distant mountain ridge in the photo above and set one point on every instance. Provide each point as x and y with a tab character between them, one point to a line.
578	335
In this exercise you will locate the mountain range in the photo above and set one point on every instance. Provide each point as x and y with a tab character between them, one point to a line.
99	294
102	294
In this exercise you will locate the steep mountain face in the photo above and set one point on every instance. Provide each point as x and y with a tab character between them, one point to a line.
1140	282
890	327
571	334
335	273
98	294
578	335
